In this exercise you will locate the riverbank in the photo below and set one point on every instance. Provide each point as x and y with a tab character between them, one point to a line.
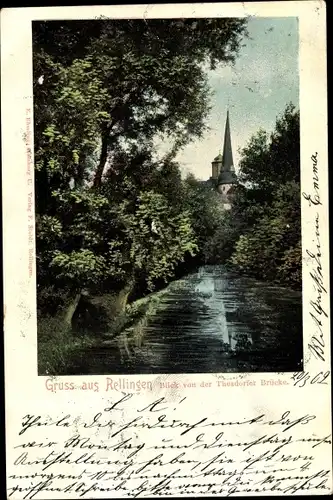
59	349
209	321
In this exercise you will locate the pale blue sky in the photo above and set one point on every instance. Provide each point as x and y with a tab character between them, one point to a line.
268	64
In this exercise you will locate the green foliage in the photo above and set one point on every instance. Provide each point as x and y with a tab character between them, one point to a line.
205	208
264	247
269	161
220	246
71	243
104	91
262	232
103	243
52	299
83	266
49	228
123	83
159	238
69	113
290	269
261	249
57	346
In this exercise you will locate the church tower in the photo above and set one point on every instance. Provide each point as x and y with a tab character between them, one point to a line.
223	170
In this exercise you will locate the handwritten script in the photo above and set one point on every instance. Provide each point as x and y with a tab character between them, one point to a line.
318	314
131	450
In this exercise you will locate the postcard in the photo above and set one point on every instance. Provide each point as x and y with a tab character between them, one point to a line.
166	250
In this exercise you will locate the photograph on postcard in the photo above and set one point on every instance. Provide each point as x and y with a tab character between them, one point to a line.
167	195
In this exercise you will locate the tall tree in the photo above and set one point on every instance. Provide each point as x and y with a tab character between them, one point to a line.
104	91
153	72
268	161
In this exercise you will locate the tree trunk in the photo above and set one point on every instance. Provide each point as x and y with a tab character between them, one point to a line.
71	310
102	159
123	297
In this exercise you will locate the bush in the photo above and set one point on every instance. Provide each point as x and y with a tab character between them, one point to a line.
51	300
56	345
290	270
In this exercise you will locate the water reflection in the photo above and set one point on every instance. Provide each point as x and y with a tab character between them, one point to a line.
216	321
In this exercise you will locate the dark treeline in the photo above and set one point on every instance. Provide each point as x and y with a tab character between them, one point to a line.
112	216
261	234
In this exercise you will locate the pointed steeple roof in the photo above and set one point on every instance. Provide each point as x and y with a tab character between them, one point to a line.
227	174
227	160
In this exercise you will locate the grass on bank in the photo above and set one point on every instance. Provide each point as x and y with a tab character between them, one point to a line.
58	346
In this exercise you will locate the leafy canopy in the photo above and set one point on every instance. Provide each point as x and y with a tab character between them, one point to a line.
105	90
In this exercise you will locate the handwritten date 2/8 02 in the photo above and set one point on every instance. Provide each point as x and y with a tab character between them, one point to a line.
300	379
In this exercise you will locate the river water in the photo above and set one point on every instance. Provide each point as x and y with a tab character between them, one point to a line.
214	320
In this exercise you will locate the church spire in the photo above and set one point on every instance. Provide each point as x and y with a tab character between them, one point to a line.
227	160
227	175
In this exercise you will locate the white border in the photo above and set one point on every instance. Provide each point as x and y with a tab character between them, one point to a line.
22	382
